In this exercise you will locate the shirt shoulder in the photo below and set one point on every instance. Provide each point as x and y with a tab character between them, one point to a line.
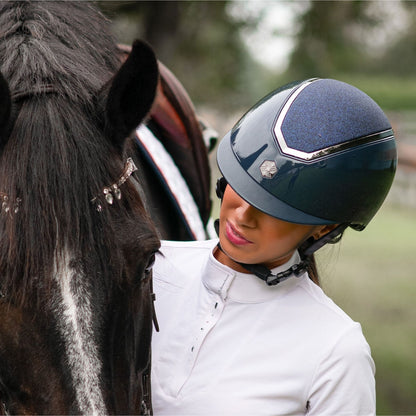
344	381
177	261
323	304
169	247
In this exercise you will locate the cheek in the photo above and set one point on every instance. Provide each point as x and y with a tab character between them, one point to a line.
227	205
280	236
273	229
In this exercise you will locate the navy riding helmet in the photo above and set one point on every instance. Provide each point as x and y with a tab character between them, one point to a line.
313	152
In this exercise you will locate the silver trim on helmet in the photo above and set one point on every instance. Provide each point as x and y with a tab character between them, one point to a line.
381	136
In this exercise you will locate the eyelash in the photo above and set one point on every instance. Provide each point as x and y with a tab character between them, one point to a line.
150	263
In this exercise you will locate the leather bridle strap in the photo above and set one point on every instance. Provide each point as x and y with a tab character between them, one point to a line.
40	90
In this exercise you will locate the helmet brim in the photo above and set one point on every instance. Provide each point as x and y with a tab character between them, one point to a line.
248	189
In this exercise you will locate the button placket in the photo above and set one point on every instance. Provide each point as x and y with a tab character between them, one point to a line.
206	324
208	319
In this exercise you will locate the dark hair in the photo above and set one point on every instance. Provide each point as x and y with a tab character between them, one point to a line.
313	270
312	266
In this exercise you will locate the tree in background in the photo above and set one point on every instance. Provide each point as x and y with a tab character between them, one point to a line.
400	57
202	42
328	39
199	41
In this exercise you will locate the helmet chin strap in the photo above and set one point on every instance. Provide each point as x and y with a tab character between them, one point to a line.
305	250
311	245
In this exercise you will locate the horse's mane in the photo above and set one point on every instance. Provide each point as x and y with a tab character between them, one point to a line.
56	43
55	158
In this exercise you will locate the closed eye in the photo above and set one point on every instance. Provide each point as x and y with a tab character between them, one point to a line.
150	263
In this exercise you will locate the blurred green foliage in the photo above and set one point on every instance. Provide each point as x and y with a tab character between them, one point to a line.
371	276
202	43
199	41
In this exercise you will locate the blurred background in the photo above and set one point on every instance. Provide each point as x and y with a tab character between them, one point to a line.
229	54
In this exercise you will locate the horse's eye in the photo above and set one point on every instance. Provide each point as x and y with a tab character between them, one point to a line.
150	264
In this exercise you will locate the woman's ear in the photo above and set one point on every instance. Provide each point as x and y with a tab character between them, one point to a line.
323	230
324	234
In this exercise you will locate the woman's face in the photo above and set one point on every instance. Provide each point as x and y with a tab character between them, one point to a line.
248	235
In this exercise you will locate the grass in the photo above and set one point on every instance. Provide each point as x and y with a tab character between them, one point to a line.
372	276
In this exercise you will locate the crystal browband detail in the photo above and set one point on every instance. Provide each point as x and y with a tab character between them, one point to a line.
109	192
8	206
113	191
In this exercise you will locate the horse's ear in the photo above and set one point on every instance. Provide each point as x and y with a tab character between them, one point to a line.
5	109
132	92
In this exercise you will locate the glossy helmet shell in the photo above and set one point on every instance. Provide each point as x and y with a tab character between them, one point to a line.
318	151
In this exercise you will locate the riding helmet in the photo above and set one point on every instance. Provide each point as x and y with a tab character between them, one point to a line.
316	152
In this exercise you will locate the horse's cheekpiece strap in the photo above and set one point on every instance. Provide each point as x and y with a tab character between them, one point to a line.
113	191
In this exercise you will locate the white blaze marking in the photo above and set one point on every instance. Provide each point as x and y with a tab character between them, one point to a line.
82	352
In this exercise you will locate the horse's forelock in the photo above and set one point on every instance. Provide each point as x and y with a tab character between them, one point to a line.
56	158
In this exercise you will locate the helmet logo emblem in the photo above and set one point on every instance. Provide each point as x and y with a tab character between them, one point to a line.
268	169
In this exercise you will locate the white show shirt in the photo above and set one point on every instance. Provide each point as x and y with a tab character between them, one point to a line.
231	345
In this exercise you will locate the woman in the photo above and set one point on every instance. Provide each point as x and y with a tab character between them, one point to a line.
244	327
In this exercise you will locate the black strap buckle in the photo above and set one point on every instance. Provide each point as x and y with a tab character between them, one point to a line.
271	279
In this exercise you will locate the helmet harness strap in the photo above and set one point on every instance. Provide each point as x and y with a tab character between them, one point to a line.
305	250
309	247
264	273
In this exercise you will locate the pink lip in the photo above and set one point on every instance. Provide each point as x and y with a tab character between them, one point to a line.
234	236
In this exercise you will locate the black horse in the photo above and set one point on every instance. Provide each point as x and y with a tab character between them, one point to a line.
76	243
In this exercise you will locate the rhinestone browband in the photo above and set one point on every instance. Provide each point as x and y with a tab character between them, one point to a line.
113	191
7	206
109	192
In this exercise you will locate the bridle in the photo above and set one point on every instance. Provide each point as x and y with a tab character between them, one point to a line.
40	90
113	191
106	197
8	206
109	193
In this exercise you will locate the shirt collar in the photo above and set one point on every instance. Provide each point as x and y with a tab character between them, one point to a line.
244	287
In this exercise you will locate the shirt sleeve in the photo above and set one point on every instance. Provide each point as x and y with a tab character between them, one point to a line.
344	382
